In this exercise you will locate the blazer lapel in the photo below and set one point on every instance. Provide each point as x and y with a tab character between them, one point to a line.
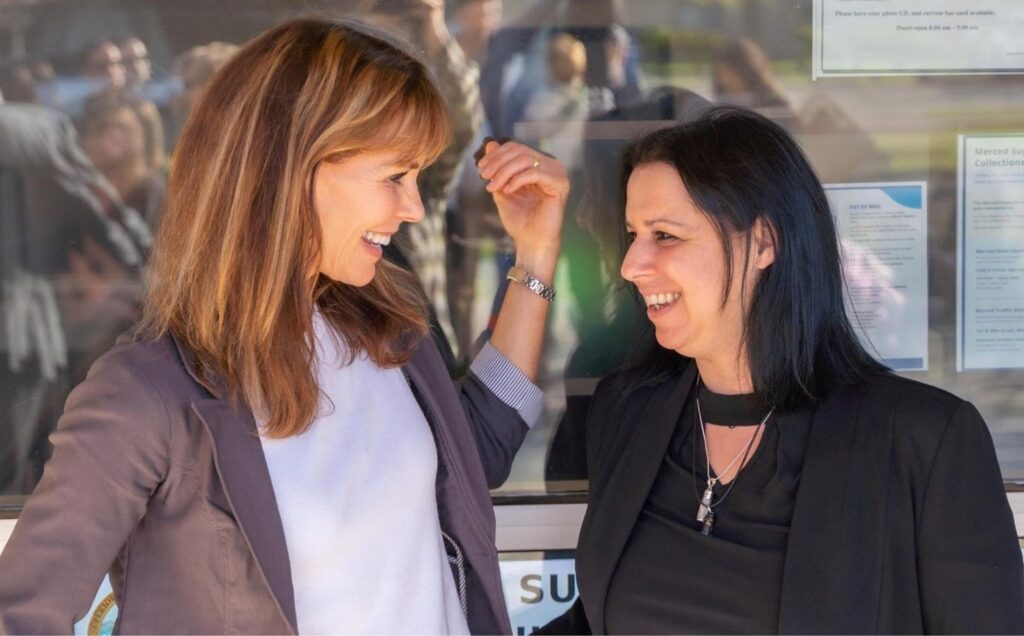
243	471
831	577
429	377
626	492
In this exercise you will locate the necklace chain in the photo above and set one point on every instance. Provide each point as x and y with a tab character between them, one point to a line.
705	511
707	454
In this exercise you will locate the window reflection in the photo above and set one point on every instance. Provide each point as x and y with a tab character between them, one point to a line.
95	94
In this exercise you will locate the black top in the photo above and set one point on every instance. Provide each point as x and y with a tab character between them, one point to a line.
879	541
673	579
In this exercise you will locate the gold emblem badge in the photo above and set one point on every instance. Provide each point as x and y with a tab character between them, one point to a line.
99	617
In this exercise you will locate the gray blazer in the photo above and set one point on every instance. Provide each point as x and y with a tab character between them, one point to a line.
160	479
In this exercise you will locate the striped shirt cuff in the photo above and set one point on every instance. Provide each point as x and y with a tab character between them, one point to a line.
506	381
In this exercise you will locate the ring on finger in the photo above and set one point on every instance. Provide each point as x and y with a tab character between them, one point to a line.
536	163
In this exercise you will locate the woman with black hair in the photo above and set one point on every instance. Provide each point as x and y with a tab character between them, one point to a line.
758	471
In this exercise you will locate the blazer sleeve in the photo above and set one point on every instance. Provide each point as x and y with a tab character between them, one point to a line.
110	452
969	559
501	404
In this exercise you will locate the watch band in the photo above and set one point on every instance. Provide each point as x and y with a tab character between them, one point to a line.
521	276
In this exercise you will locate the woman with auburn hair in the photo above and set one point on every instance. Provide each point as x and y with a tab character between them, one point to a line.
279	448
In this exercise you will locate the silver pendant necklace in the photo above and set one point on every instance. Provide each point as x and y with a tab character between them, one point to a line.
705	512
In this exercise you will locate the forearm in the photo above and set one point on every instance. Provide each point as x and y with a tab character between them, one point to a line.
519	330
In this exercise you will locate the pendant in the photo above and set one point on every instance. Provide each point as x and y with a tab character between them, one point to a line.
705	502
709	521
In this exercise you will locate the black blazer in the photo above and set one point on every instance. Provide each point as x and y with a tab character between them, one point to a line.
901	522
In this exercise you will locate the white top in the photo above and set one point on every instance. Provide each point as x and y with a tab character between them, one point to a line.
357	500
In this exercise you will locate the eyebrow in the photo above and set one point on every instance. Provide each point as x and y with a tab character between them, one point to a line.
400	163
665	220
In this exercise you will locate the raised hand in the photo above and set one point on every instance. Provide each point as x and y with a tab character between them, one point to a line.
530	190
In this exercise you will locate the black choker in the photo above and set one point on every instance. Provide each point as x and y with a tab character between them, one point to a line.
745	409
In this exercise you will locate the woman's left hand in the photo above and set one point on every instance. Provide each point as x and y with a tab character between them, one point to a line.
530	190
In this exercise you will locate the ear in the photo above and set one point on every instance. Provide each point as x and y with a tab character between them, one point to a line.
763	235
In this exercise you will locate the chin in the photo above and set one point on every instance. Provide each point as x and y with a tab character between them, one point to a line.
666	341
360	282
663	339
350	280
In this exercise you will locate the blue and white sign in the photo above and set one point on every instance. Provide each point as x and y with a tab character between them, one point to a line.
990	252
883	230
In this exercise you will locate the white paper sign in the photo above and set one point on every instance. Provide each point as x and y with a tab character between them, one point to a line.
883	229
537	589
917	37
990	252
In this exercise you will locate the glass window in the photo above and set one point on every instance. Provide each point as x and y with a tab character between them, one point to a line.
96	92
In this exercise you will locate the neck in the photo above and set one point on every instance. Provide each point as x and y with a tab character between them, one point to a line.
726	377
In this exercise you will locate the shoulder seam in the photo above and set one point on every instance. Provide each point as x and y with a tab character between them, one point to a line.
167	418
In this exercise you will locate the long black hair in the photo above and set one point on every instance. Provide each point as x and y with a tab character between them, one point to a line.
737	167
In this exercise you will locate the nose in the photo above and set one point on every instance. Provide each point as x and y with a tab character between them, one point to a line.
412	210
637	263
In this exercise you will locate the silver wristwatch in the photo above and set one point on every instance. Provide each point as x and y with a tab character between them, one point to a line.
520	275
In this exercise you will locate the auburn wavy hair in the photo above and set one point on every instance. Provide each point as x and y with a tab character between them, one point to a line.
235	268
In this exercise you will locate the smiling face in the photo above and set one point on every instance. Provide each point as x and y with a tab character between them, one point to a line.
677	262
361	201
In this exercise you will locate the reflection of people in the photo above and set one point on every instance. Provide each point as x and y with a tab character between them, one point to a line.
194	68
471	219
742	75
516	61
102	61
199	461
17	83
135	58
566	97
758	441
472	23
423	246
123	136
69	263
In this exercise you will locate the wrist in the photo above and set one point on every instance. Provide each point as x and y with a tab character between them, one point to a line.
531	282
538	262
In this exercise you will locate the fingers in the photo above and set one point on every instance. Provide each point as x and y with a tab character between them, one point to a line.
504	162
517	164
552	183
497	154
494	153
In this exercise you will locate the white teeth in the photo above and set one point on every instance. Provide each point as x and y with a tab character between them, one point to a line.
658	300
377	239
